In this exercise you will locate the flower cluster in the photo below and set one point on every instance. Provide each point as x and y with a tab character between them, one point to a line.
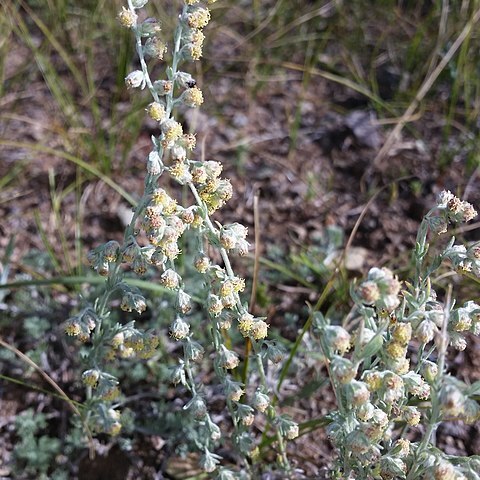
395	361
153	242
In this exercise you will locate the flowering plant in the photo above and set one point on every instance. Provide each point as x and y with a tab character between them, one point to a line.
152	240
394	379
387	362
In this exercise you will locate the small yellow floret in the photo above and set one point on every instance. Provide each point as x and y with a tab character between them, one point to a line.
127	18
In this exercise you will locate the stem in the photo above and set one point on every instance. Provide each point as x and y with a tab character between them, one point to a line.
223	252
271	411
435	414
139	49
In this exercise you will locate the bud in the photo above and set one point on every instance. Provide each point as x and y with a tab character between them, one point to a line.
179	329
199	174
357	393
163	87
411	415
425	331
471	413
242	247
416	385
380	418
224	322
275	353
343	369
150	27
187	215
365	411
179	153
392	387
133	301
225	474
369	292
107	387
110	251
178	374
391	467
170	279
158	258
229	301
130	252
215	433
139	265
90	377
197	407
458	342
452	401
81	325
134	340
73	327
260	401
155	48
444	470
429	371
245	414
233	390
139	3
376	426
401	448
135	79
437	225
228	239
193	350
224	190
228	359
358	443
185	80
201	263
184	303
287	427
400	366
338	338
292	431
114	415
214	305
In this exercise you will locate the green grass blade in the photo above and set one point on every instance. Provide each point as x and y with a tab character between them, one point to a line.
77	161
